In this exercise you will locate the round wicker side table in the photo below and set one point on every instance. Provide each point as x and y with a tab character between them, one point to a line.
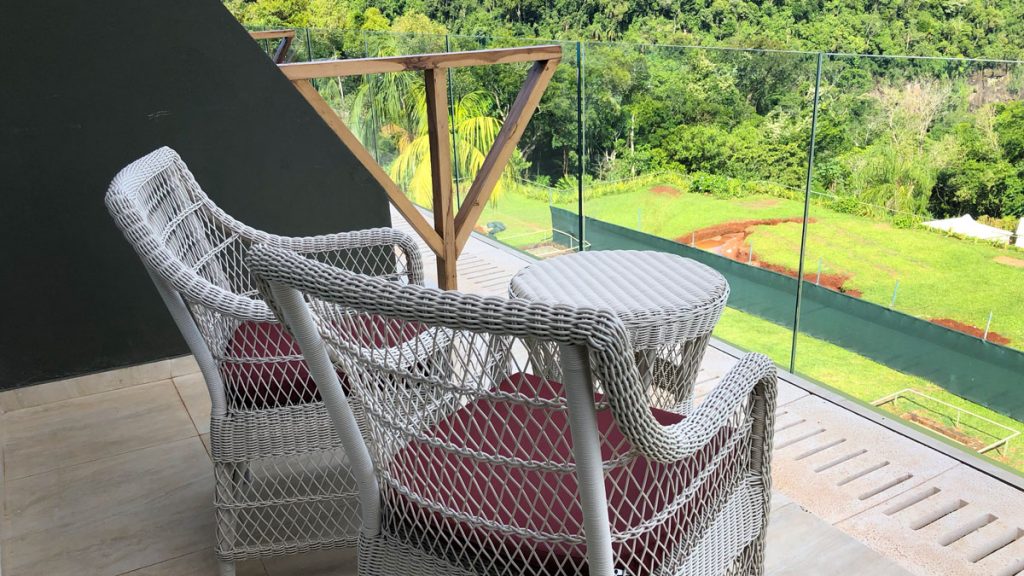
668	304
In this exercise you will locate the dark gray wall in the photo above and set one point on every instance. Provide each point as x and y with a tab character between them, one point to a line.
88	87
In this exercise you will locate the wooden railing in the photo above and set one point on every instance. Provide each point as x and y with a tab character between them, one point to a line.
284	38
450	231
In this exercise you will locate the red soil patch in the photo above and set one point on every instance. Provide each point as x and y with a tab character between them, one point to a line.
666	191
947	431
972	330
1015	262
730	240
738	227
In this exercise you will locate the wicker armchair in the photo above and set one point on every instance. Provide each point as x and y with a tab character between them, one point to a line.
480	464
282	478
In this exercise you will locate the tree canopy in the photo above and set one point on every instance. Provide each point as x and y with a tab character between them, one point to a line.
911	138
951	28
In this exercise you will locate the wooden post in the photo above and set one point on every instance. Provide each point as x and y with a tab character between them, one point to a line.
450	231
441	175
284	38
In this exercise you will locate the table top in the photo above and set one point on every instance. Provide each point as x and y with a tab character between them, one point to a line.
643	288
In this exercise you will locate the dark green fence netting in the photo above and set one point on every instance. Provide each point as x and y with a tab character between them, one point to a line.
983	372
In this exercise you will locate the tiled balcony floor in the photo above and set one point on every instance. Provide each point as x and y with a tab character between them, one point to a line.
111	482
109	475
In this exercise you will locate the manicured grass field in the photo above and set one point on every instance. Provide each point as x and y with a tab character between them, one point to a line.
527	222
938	276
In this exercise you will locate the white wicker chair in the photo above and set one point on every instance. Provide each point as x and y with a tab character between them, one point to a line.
479	464
282	479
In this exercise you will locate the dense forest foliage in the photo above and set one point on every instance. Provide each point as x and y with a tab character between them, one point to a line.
905	138
952	28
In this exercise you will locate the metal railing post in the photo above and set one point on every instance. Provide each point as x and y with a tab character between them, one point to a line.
455	141
580	143
807	210
373	101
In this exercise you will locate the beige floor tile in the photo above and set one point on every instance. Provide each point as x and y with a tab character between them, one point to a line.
956	524
3	486
197	564
337	562
837	464
788	393
800	544
93	427
107	487
206	444
779	500
9	401
196	397
714	365
97	383
122	378
183	365
111	516
37	395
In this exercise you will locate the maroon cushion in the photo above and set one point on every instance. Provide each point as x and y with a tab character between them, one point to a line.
255	381
544	500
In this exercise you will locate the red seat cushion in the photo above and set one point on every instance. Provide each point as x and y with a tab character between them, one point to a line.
545	500
256	379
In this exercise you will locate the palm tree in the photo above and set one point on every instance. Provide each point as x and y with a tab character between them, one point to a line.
386	99
397	103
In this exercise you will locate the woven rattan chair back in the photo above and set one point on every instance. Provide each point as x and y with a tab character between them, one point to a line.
484	465
281	474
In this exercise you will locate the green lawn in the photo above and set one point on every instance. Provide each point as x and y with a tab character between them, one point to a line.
939	276
850	373
527	222
676	216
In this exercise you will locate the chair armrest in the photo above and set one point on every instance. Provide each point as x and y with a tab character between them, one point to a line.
354	251
343	249
752	379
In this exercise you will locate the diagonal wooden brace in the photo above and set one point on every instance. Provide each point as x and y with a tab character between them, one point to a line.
450	232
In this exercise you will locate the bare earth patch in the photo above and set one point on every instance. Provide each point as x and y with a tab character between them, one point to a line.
666	191
1009	261
969	329
947	431
730	240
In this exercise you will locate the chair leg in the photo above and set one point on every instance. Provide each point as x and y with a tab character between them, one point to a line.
225	516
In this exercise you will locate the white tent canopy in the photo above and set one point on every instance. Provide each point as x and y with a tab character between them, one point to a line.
968	226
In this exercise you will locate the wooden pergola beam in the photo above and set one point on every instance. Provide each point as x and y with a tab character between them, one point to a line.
285	37
272	34
441	173
450	232
361	66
